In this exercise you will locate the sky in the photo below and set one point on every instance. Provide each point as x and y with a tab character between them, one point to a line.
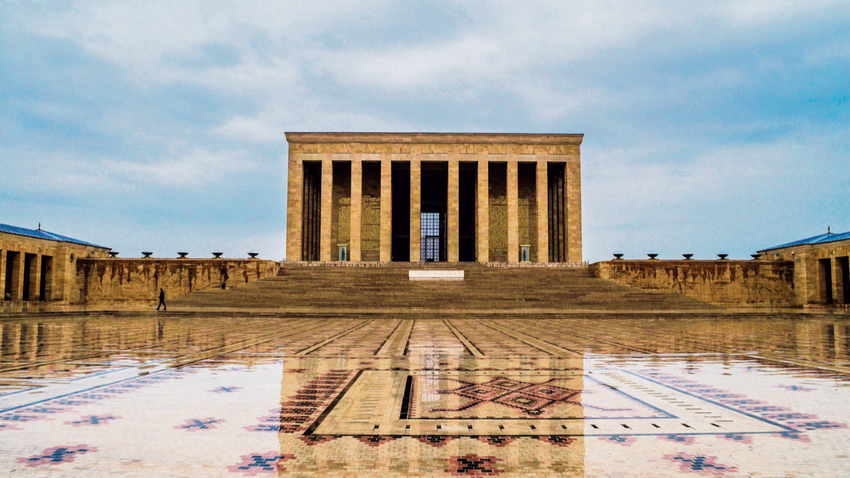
710	127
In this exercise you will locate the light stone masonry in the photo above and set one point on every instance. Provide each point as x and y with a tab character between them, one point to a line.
443	154
542	214
356	195
483	211
513	213
386	211
453	199
415	208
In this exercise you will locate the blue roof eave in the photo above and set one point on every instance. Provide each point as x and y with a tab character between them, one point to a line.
821	239
42	234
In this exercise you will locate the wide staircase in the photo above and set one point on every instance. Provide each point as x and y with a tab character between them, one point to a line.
388	288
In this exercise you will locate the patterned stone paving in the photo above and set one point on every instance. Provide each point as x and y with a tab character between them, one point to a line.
217	395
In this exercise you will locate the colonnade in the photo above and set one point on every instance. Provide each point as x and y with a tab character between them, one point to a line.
493	197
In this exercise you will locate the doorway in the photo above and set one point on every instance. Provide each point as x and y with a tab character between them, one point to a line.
433	232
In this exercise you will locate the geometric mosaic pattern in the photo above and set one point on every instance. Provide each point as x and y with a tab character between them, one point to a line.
446	397
528	397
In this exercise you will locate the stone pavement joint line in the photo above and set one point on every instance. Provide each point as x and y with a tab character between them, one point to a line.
247	395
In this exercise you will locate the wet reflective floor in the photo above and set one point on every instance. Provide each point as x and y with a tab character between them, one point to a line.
222	395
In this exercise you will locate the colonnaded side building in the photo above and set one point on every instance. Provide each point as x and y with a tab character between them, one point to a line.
434	197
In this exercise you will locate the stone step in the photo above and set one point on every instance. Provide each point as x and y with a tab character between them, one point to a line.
330	287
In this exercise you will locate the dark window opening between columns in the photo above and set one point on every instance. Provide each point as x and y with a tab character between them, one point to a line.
825	282
29	274
400	184
467	212
312	213
557	212
13	260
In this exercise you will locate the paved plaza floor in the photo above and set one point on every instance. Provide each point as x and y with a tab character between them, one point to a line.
218	394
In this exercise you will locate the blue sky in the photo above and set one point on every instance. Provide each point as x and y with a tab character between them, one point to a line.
709	127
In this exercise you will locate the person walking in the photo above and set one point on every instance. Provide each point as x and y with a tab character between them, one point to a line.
161	300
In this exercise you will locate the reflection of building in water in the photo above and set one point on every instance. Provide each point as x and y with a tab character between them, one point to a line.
40	265
384	413
411	197
58	342
821	267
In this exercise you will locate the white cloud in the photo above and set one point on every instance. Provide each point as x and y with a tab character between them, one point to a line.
765	12
270	125
194	168
466	59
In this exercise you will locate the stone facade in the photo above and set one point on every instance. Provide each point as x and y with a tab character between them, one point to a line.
821	271
498	194
40	269
731	283
139	280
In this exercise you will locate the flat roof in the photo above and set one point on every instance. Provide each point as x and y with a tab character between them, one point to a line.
425	138
42	234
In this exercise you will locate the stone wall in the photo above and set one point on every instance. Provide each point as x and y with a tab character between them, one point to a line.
810	271
50	275
733	283
139	280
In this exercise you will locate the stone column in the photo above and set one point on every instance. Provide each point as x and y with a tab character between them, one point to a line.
452	203
356	207
386	210
327	210
294	210
64	273
415	208
2	274
542	191
18	276
35	279
513	212
483	209
573	220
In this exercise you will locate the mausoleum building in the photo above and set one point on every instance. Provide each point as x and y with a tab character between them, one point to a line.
434	197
